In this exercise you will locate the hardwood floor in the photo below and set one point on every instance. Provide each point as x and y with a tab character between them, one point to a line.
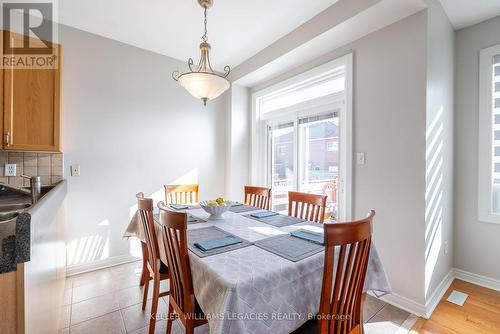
480	313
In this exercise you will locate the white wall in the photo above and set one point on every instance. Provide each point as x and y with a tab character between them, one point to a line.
237	142
389	125
131	128
477	244
439	148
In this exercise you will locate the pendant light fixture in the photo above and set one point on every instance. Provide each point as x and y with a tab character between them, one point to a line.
203	82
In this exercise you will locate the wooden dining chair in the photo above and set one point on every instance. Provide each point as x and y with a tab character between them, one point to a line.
182	300
260	197
307	206
341	301
155	269
181	193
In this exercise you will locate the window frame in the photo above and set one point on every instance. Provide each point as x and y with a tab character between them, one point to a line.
337	102
485	140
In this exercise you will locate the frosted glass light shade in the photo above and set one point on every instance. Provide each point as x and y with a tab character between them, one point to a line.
204	86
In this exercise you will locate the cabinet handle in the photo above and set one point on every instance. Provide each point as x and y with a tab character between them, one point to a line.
7	138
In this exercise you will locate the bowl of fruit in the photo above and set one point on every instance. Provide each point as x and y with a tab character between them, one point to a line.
216	208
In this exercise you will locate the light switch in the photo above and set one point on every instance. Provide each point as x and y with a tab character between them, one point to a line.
75	170
361	158
10	170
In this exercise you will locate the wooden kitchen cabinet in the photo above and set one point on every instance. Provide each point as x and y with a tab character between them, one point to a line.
32	107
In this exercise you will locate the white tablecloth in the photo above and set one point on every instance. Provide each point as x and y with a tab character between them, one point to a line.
250	290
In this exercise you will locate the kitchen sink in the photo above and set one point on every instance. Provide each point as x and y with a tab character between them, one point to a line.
13	207
13	201
4	216
46	189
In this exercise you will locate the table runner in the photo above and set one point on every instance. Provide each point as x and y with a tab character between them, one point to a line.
250	290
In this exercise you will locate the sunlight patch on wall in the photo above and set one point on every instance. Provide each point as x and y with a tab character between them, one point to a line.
88	249
434	195
159	195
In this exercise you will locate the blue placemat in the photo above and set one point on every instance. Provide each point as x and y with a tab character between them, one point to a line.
264	214
179	206
317	238
212	233
217	243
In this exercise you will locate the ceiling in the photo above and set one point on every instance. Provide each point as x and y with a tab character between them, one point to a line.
342	24
463	13
237	29
259	36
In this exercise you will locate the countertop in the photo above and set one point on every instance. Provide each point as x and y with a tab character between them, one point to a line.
15	234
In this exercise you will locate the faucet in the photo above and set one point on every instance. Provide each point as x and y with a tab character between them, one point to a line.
35	187
34	191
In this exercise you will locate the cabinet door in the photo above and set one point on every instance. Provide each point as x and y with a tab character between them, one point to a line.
32	110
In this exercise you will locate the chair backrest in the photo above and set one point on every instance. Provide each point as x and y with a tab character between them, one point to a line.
181	193
174	234
145	212
340	307
307	206
259	197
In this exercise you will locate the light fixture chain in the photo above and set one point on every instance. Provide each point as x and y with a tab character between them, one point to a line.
205	37
203	82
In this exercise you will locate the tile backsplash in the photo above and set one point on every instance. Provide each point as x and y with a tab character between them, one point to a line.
49	166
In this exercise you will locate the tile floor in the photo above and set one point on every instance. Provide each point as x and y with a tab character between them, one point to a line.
109	301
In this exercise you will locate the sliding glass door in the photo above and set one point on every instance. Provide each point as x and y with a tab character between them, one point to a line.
302	136
281	170
303	155
318	157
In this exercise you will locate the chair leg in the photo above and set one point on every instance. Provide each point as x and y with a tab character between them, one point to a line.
154	304
362	322
145	271
170	317
145	297
189	327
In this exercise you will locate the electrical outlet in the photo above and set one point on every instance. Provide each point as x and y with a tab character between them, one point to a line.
361	158
75	170
10	170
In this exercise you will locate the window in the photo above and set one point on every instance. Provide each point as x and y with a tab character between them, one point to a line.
327	83
489	136
302	136
332	146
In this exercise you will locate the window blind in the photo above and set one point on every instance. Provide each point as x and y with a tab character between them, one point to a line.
318	118
496	119
325	84
282	126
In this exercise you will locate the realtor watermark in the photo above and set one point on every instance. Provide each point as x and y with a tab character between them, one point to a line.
30	35
258	316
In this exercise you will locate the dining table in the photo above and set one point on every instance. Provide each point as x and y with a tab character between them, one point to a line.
253	290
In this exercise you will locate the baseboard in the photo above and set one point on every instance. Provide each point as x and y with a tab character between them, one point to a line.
425	311
76	269
487	282
404	303
438	293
